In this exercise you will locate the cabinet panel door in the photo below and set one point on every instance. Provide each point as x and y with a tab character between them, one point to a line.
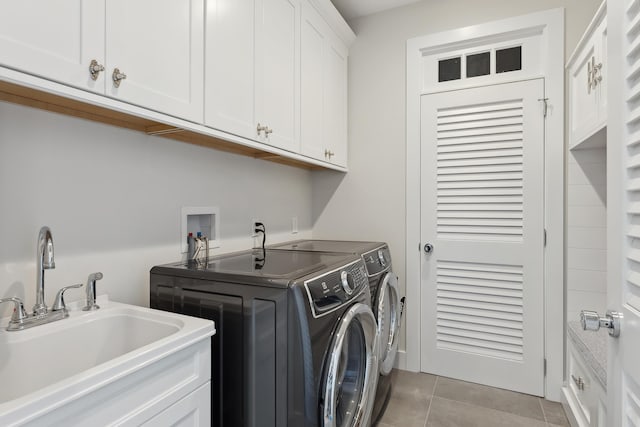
278	71
193	410
229	67
584	108
159	45
54	39
313	45
335	123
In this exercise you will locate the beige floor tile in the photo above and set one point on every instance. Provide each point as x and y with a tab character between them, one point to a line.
409	401
554	413
450	413
489	397
412	384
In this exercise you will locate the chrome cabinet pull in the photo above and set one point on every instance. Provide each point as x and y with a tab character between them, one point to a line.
261	129
328	154
118	77
578	381
95	68
267	131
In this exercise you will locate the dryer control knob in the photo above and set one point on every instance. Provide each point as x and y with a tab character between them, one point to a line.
381	258
348	283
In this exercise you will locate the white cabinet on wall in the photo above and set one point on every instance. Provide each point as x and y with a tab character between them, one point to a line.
323	90
587	69
56	40
157	47
252	70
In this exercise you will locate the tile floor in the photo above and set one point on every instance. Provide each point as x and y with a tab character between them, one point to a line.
424	400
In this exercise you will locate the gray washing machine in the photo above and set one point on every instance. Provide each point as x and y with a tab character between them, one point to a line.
387	305
295	341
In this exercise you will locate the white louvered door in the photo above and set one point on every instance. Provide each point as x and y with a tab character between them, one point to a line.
482	210
623	211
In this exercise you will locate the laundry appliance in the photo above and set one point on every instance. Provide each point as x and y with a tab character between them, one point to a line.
387	305
296	337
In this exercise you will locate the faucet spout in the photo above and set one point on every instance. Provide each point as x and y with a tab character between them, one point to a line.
45	261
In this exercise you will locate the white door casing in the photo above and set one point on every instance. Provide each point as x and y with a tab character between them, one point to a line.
623	211
545	31
482	196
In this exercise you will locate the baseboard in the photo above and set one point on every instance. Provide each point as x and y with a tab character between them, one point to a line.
401	360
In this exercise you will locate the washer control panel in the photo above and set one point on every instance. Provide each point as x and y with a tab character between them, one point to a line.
377	261
335	288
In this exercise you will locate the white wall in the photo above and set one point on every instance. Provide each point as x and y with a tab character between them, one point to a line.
369	202
112	198
586	231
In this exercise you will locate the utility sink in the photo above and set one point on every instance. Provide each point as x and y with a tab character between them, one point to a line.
53	365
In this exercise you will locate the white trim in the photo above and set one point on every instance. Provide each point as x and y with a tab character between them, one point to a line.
551	23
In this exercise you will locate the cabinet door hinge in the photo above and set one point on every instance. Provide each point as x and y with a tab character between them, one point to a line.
544	237
544	366
545	106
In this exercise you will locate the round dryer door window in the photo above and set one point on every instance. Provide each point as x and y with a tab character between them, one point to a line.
387	308
351	373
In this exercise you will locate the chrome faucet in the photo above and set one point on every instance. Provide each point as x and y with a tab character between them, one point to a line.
44	259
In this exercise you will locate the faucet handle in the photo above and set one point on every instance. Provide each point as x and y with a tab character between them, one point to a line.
59	304
19	313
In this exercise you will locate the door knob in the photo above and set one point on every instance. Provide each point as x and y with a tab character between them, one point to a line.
592	321
428	248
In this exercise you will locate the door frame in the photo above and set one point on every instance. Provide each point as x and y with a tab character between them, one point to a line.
546	31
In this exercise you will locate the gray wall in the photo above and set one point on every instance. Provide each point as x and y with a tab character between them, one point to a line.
369	202
105	190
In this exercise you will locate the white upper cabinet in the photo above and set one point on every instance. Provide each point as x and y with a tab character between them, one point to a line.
159	46
229	69
587	69
323	90
277	100
252	70
54	39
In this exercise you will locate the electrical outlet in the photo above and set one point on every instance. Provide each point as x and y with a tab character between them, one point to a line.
254	221
294	225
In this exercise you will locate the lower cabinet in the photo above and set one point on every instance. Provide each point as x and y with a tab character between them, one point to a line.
584	397
192	410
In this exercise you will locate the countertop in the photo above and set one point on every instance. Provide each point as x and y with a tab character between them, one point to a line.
592	346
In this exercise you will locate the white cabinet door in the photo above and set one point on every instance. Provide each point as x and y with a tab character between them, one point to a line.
313	55
229	67
587	87
159	45
335	101
194	410
278	71
323	106
54	39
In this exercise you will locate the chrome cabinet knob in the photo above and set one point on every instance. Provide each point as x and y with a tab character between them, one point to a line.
118	77
592	321
95	68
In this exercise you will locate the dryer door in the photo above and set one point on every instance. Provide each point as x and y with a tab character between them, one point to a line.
387	311
351	373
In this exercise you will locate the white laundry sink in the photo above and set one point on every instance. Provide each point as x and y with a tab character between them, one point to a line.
49	366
